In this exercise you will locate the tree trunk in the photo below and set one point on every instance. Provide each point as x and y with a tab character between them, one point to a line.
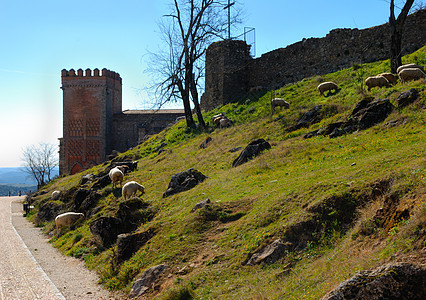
396	26
395	50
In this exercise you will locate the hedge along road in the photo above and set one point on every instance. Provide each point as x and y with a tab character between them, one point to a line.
30	268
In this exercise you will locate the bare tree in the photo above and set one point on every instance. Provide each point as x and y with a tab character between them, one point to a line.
39	162
178	68
396	26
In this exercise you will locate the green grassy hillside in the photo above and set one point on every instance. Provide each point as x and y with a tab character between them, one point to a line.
323	195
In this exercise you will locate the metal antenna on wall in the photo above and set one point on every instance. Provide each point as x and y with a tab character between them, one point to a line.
229	17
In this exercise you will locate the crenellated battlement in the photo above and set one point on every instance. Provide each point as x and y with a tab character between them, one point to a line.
88	73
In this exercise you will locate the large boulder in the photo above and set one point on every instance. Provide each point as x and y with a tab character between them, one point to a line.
269	254
102	182
373	113
130	214
48	212
252	150
105	231
146	280
390	281
184	181
310	117
78	198
407	97
366	114
128	244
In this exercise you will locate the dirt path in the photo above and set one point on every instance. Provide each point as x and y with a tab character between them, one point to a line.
31	268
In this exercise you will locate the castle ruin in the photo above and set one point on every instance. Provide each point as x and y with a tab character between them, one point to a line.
231	71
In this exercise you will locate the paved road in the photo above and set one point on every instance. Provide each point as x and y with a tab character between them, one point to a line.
20	275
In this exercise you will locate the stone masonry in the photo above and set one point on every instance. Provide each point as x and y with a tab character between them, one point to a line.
231	72
93	121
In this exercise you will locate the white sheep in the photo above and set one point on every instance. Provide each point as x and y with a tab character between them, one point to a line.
225	122
376	81
216	119
411	74
116	175
389	76
130	188
411	66
66	219
279	102
55	195
327	86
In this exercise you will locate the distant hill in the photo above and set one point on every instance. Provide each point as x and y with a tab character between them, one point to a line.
12	176
15	180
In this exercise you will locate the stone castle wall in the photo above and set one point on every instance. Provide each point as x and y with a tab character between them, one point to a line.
231	72
132	127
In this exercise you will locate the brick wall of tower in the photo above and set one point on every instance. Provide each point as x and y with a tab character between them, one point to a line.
89	102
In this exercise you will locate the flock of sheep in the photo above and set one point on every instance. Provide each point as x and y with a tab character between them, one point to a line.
405	73
116	175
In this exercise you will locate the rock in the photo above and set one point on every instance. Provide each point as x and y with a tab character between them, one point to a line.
131	165
87	179
90	202
102	182
48	211
146	280
79	196
407	97
235	149
201	204
130	215
252	150
375	112
184	181
129	244
310	117
365	114
390	281
270	253
205	143
105	231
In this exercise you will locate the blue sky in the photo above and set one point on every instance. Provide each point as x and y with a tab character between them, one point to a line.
40	38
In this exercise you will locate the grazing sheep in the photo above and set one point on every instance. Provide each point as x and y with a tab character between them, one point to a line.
216	119
130	188
327	86
389	76
411	66
411	74
66	219
55	195
279	102
376	81
225	122
116	175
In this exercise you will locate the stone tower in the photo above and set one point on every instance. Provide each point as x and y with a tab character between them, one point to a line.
89	103
227	73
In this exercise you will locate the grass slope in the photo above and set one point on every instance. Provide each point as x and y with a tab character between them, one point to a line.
321	194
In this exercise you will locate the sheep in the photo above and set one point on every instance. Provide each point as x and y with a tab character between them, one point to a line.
400	68
279	102
216	119
225	122
130	189
389	76
376	81
327	86
66	219
116	175
55	195
411	74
